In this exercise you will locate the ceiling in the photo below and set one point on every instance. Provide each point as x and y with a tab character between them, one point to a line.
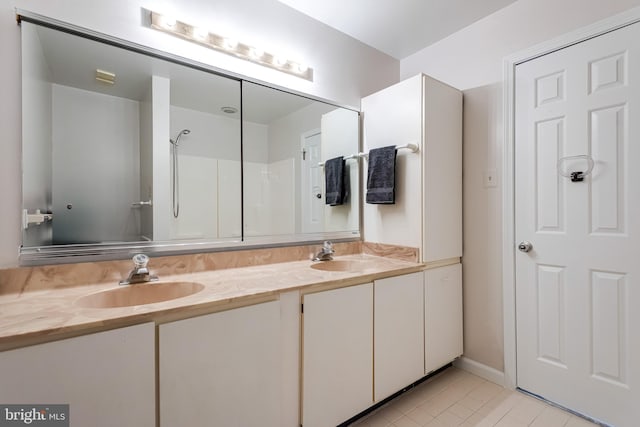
398	28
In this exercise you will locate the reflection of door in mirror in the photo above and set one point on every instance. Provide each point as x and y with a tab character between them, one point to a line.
96	165
312	175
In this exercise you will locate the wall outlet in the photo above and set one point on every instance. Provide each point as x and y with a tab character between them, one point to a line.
490	178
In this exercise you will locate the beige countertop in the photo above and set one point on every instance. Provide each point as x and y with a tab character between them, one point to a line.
45	315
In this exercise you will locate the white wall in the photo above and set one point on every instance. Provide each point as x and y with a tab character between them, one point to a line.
282	200
257	213
255	140
212	135
471	59
345	70
229	194
269	199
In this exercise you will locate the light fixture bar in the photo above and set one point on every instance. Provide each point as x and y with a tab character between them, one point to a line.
229	46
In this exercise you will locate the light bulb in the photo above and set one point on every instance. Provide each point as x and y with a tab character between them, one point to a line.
256	53
230	43
200	33
168	21
279	60
301	68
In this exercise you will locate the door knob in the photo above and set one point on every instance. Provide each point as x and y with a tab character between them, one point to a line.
525	246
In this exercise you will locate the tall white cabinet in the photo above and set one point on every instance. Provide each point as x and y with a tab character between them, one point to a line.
428	209
427	215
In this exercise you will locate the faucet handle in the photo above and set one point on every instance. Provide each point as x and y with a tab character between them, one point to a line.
328	246
140	260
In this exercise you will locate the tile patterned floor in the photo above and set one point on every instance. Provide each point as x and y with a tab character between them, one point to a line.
458	398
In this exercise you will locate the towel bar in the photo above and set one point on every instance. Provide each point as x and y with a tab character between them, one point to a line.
413	147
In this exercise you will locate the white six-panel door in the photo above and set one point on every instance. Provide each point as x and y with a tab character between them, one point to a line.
578	289
312	186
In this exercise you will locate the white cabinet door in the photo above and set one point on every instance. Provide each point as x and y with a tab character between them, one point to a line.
222	369
443	315
337	355
398	333
107	378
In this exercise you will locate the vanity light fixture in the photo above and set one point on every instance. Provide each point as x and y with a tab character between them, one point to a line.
228	45
200	33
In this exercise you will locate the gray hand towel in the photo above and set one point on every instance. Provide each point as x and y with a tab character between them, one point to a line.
334	181
381	176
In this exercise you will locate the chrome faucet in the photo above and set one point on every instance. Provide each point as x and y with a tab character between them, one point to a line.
326	253
140	272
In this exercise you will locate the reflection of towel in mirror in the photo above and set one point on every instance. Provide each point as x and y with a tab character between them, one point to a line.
334	181
381	175
347	183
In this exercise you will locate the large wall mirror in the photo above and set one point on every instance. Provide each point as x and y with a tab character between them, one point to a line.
130	150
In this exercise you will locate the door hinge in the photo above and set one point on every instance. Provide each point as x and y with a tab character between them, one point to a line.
304	154
302	308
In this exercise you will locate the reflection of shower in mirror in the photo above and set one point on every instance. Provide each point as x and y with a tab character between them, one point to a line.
174	177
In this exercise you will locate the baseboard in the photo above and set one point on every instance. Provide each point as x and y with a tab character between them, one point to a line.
480	369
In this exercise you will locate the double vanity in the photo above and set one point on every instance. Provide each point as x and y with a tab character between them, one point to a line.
274	344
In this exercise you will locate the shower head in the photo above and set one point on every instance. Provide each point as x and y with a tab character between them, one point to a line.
182	132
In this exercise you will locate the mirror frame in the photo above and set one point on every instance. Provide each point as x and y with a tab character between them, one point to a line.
64	254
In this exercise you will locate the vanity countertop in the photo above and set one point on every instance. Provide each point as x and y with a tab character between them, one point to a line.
45	315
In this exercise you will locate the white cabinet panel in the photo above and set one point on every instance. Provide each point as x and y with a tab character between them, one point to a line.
428	113
107	378
222	369
337	355
443	315
442	171
382	126
398	333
